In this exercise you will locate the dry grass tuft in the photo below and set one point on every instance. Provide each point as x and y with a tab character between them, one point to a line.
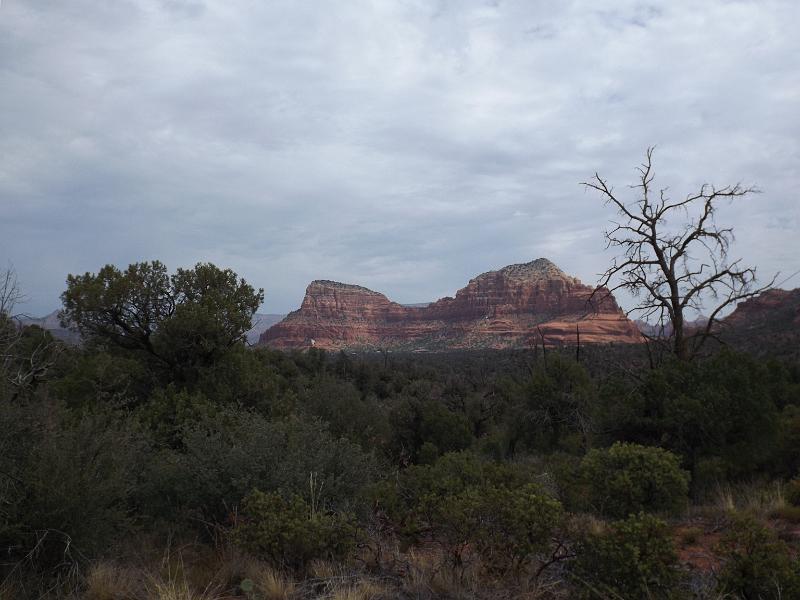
172	584
171	589
757	498
323	569
107	581
364	589
231	567
273	585
430	575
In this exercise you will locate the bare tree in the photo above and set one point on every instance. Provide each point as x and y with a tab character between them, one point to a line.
675	269
10	294
25	355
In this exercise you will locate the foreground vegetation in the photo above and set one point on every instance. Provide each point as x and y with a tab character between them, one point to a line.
163	459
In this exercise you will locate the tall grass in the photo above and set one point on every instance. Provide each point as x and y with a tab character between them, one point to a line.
172	583
179	589
758	498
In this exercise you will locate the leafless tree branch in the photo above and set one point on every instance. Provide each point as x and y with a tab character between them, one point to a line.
674	269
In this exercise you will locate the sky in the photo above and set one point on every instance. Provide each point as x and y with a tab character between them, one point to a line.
403	145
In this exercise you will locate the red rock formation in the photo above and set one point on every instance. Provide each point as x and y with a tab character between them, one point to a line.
767	325
508	308
771	312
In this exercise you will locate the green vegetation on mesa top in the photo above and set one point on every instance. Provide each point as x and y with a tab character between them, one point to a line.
488	473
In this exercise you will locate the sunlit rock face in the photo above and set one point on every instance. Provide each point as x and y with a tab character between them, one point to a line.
513	307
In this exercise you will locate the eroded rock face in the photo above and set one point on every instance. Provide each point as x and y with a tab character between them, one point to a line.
770	320
512	307
773	311
767	325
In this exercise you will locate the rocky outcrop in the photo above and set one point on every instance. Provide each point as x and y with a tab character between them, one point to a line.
769	312
767	325
513	307
261	322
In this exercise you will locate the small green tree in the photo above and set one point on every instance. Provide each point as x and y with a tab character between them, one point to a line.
181	322
551	410
348	413
633	558
628	478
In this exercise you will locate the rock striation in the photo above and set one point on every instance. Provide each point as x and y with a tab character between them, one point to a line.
515	306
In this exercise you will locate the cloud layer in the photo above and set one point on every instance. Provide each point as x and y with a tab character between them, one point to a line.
403	145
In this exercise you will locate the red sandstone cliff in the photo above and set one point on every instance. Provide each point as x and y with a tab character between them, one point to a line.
511	307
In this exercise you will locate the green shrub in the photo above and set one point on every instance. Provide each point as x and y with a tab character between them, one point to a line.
627	478
417	422
756	564
222	459
67	489
96	376
402	498
348	414
506	526
169	411
718	414
551	408
289	533
633	558
462	501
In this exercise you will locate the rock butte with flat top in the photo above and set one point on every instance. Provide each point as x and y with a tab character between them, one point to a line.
513	307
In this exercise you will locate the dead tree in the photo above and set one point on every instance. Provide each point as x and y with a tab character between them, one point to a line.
10	296
26	354
675	258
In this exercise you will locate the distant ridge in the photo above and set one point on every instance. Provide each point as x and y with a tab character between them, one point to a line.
51	322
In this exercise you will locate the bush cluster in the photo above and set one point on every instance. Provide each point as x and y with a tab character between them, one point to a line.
628	478
289	532
633	558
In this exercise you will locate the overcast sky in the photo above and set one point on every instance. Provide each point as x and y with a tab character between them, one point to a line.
403	145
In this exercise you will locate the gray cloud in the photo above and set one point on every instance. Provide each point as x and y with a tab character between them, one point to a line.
401	145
